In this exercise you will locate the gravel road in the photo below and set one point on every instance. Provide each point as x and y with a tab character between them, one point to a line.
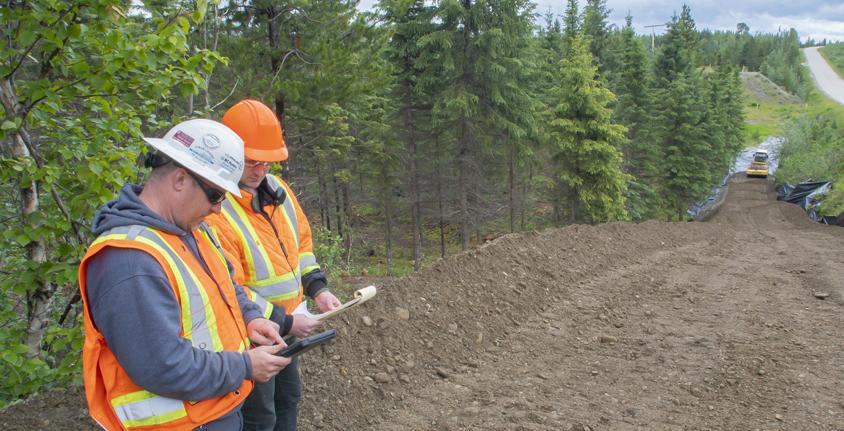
828	81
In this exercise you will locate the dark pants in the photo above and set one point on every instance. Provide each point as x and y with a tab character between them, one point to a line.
273	406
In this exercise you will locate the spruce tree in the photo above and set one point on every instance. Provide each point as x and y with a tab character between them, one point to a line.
410	23
585	142
571	20
633	109
678	53
596	33
684	144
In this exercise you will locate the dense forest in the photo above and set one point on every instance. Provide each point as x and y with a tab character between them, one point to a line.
416	130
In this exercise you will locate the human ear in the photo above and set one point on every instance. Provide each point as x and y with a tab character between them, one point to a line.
179	180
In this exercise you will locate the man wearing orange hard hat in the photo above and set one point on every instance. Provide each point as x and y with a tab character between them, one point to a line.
267	238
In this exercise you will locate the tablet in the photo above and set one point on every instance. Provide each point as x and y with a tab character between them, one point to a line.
307	343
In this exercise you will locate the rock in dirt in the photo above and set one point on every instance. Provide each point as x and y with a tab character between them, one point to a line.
403	313
442	372
382	378
607	339
821	295
366	320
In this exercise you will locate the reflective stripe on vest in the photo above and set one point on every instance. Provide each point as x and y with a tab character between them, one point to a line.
260	272
145	408
266	307
307	263
199	325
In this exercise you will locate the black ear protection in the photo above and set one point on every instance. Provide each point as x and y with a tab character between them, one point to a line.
265	195
155	158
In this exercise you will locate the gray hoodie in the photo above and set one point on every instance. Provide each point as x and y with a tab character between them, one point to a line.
133	306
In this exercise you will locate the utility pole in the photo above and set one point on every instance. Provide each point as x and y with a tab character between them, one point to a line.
653	34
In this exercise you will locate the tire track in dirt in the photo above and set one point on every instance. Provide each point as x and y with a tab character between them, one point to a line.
719	330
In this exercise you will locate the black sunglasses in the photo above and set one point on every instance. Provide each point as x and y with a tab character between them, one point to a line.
214	196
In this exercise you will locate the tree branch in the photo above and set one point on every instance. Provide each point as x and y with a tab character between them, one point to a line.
227	96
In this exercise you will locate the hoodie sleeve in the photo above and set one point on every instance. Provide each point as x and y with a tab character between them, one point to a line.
133	306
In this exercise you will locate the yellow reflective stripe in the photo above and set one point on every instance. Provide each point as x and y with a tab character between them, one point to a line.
157	420
187	317
247	252
274	280
258	299
280	288
289	211
144	408
307	262
268	310
216	250
245	219
131	397
284	296
104	238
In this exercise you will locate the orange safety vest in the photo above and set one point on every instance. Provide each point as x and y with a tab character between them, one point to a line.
208	321
269	259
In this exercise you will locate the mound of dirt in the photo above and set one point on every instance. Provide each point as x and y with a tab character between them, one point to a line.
656	325
765	90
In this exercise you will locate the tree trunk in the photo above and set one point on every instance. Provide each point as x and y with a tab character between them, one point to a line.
511	162
322	198
39	297
347	213
462	187
338	215
525	191
388	217
440	214
414	178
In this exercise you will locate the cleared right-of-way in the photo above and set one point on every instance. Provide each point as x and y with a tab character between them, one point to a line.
827	80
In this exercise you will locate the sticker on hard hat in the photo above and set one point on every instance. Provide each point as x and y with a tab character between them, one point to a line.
202	154
230	164
184	138
211	141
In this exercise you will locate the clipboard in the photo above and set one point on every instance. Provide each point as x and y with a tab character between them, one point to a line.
360	296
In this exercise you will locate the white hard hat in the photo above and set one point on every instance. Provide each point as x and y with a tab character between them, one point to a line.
208	149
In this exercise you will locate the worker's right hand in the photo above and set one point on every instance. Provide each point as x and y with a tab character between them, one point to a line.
265	363
303	326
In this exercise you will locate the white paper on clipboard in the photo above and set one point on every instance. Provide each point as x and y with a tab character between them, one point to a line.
360	296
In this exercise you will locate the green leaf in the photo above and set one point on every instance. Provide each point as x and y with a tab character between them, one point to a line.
8	125
184	24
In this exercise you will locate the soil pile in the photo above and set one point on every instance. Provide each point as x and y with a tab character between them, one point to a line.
625	326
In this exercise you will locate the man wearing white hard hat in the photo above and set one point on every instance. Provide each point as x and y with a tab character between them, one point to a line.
167	333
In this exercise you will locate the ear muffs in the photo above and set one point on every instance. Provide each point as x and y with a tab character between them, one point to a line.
154	159
267	196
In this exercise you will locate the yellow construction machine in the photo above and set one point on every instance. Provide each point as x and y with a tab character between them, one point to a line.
759	166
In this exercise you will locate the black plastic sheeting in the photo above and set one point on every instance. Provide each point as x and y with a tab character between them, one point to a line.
807	194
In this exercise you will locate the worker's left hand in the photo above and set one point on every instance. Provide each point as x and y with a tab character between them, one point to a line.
326	301
263	332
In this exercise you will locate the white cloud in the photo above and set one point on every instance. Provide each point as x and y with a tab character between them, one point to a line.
817	19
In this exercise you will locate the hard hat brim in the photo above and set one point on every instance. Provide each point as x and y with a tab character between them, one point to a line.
275	155
184	160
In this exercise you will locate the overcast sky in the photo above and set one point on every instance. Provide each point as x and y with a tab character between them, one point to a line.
811	18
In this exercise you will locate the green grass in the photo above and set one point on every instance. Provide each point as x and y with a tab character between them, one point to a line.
834	55
767	116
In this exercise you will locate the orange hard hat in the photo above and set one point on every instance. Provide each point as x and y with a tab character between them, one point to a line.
260	130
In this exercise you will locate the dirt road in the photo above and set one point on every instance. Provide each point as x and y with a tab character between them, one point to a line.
828	81
652	326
